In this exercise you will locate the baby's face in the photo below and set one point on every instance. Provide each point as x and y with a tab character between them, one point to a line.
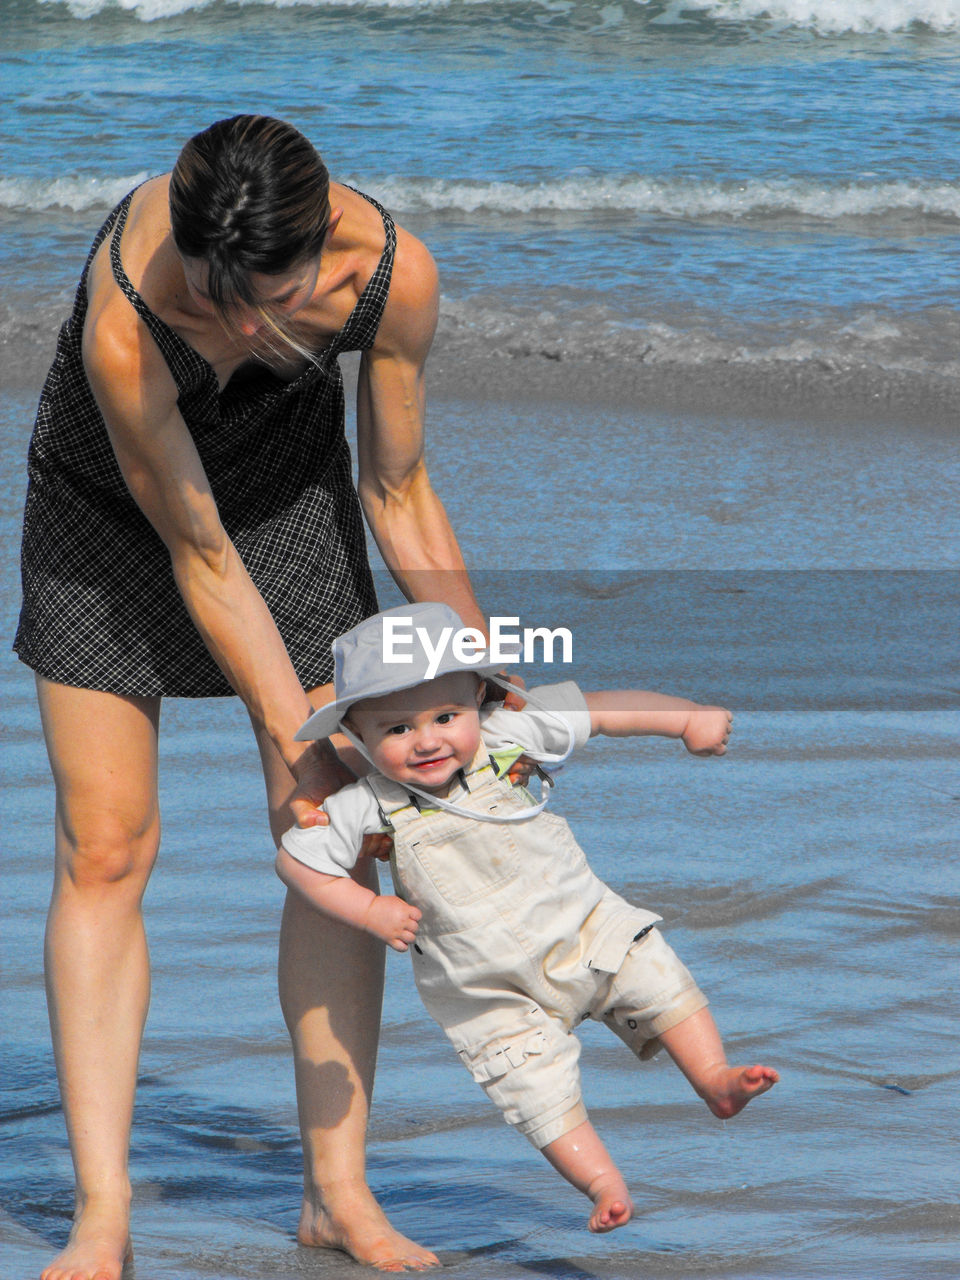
423	735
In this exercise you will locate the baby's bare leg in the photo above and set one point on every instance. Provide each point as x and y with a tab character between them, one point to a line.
696	1048
586	1164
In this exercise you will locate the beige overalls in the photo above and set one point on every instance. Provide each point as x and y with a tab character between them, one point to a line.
519	941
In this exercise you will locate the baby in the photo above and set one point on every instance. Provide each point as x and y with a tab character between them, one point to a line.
515	940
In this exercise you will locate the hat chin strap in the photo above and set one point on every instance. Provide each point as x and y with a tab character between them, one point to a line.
437	802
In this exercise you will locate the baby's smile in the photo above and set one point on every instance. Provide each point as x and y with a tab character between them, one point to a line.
423	735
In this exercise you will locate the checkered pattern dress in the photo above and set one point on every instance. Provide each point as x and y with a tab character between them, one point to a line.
101	609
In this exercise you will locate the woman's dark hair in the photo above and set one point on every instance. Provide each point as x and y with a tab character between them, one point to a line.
249	194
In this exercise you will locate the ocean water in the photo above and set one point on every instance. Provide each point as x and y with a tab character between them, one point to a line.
640	198
714	182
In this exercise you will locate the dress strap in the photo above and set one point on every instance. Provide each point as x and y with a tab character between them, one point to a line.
111	222
186	365
360	328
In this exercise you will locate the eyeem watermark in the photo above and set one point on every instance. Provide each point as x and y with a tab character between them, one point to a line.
507	643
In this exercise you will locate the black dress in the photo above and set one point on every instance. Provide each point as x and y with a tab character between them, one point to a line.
101	609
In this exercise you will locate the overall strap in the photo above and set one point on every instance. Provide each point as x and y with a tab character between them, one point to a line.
398	803
397	810
390	796
522	815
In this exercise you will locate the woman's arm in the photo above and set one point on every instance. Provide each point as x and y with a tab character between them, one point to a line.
405	515
386	916
704	730
159	462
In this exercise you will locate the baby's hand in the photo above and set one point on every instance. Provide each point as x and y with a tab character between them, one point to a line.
393	921
708	731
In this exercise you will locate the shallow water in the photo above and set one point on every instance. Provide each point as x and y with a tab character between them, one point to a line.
716	181
808	879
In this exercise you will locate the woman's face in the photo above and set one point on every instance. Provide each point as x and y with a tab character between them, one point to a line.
284	294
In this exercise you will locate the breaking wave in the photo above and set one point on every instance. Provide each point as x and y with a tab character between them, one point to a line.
824	18
756	200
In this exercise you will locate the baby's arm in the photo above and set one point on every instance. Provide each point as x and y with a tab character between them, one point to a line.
386	916
704	730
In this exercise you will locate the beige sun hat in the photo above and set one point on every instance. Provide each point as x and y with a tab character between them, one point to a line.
361	669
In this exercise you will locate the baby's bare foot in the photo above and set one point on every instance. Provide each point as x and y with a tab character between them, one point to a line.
734	1087
612	1207
98	1247
350	1219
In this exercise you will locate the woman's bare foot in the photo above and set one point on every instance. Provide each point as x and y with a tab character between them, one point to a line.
731	1088
350	1219
98	1247
612	1206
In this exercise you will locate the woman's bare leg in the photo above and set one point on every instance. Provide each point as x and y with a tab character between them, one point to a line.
331	990
103	754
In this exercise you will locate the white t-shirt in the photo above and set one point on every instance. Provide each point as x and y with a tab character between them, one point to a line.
354	812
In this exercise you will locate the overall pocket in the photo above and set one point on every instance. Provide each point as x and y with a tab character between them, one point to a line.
468	863
605	951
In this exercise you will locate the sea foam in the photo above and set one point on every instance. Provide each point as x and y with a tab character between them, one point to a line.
826	17
691	200
76	192
686	199
820	17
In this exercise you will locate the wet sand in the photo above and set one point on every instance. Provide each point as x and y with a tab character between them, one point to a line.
807	578
825	391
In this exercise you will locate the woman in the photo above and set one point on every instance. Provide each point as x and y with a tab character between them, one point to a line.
192	529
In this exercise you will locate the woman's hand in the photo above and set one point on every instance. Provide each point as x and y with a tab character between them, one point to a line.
319	772
523	768
512	698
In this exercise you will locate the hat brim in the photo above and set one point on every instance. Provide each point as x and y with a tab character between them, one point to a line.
327	719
